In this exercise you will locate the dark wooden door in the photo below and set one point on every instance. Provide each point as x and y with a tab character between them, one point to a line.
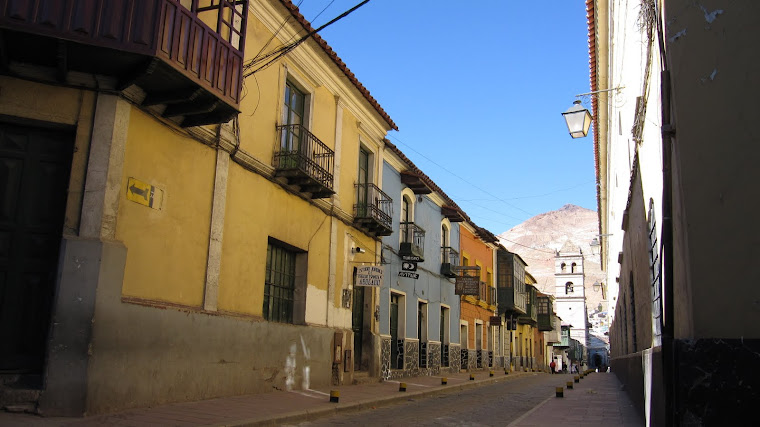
357	325
34	176
394	332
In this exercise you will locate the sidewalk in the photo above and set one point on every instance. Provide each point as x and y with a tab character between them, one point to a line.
596	397
597	400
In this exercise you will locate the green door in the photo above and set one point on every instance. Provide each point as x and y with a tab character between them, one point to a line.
394	332
34	177
357	325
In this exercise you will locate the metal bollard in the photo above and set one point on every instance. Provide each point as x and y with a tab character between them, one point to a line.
444	381
560	392
577	378
401	386
472	377
569	385
334	396
490	373
506	371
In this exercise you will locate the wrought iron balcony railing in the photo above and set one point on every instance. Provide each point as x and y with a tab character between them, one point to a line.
449	261
373	210
304	161
412	241
487	293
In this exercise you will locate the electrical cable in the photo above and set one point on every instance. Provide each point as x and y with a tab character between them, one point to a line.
278	53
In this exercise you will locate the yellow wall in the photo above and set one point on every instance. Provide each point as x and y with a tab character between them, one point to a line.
257	209
167	248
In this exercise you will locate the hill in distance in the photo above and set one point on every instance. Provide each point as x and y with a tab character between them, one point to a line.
537	240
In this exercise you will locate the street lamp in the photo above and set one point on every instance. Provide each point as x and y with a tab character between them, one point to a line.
595	245
578	120
596	286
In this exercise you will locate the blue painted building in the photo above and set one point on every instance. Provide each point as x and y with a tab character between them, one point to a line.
419	312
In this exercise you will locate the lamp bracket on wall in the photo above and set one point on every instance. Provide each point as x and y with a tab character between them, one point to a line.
596	92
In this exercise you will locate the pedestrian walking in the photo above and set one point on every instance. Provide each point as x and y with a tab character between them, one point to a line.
552	366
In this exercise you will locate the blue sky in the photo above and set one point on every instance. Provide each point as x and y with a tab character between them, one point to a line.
477	90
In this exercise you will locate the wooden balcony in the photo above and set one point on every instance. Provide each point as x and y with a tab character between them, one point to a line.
304	161
487	293
415	182
544	316
373	210
412	246
193	73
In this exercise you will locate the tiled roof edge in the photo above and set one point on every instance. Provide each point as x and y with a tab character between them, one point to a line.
339	62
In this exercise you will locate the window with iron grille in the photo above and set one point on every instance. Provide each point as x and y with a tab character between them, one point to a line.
279	284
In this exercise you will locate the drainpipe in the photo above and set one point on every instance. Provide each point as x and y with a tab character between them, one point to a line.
668	325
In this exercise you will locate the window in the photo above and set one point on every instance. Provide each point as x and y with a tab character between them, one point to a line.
363	180
407	217
279	285
562	267
568	288
293	116
572	267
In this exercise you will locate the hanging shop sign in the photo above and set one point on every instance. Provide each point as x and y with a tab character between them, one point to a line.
369	275
467	285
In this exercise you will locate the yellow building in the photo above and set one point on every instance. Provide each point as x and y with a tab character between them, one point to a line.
527	345
191	215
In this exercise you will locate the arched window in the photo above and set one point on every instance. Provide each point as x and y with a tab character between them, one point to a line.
568	288
572	267
562	267
445	249
407	216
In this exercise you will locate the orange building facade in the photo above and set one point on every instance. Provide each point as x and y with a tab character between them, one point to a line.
479	338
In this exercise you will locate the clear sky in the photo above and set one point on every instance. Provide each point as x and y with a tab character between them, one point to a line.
477	89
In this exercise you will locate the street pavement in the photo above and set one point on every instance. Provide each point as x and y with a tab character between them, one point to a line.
527	399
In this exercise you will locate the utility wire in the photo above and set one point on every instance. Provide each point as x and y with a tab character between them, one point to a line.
282	51
462	179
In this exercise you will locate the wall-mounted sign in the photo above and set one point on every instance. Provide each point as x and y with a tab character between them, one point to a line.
369	275
467	285
414	258
495	320
409	266
144	193
409	274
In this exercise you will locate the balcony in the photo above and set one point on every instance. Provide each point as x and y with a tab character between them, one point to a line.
449	261
487	293
412	246
544	314
189	72
564	339
304	161
373	210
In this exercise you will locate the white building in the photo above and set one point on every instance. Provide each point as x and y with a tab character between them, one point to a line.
569	291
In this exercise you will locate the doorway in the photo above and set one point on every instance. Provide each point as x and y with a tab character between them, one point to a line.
34	166
394	332
357	324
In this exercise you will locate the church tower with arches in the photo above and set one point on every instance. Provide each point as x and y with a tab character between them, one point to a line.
569	291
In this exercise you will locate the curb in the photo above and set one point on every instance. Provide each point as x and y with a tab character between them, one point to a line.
339	408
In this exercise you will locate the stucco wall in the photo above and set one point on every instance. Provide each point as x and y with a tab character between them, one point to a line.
714	65
148	355
431	287
168	247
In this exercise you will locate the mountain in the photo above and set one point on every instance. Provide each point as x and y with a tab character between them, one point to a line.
537	240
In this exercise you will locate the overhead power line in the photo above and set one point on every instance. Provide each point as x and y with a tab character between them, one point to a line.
464	180
255	65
